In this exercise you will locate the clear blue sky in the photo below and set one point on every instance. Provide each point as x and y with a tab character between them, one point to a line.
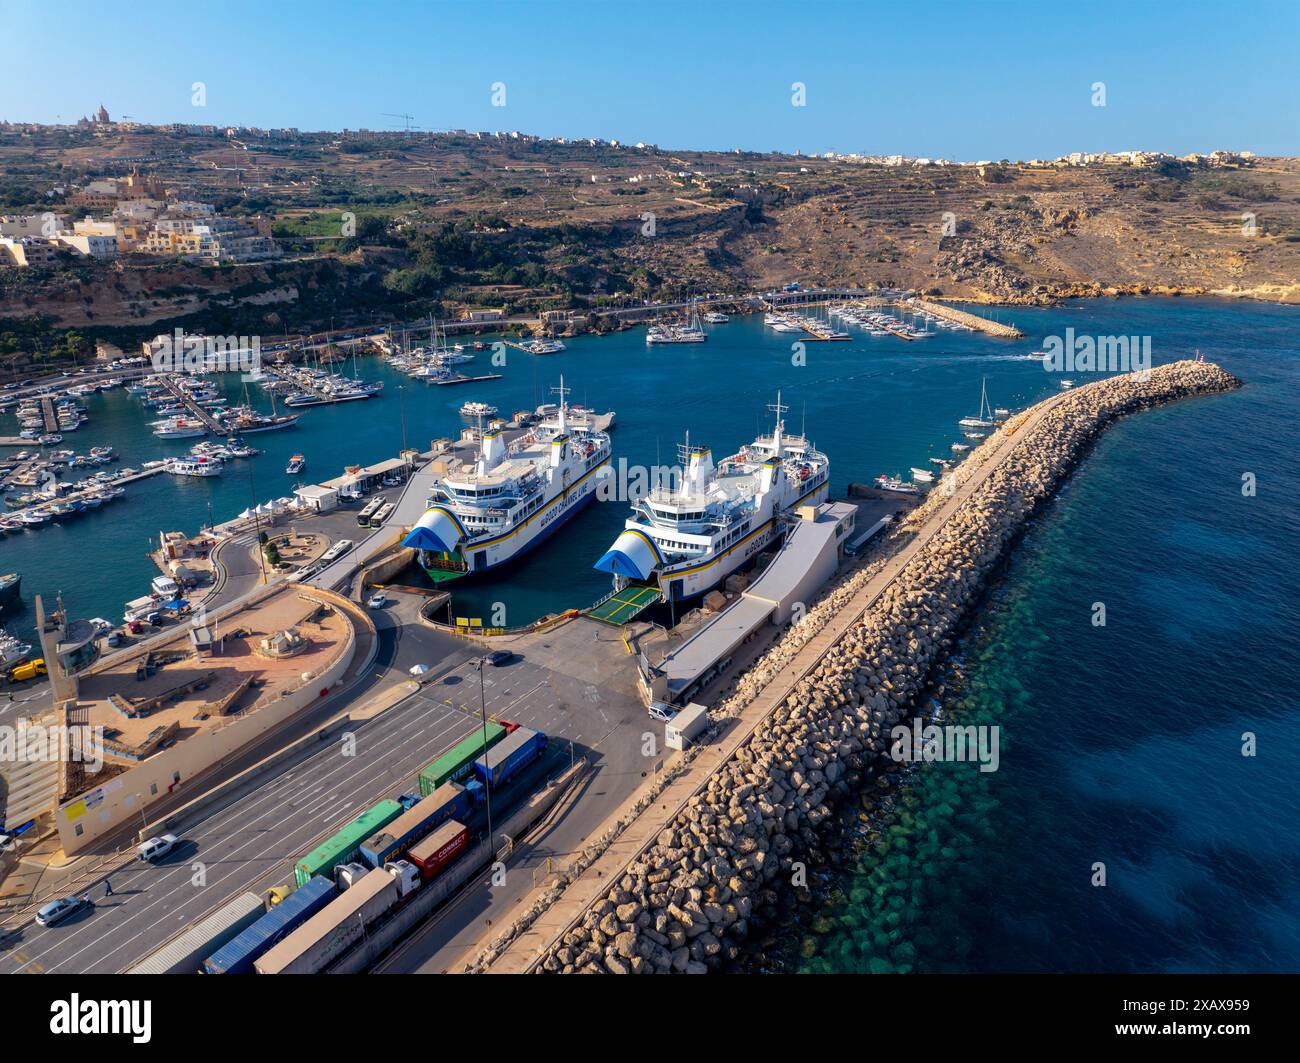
958	80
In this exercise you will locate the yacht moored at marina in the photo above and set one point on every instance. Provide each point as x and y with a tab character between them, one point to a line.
488	511
194	466
542	346
685	539
12	648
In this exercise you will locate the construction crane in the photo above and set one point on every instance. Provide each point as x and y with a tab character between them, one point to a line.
407	118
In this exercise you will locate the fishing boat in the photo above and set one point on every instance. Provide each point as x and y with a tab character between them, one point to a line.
296	464
487	511
895	484
716	317
684	539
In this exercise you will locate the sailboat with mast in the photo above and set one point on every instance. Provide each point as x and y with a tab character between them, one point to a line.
489	510
984	419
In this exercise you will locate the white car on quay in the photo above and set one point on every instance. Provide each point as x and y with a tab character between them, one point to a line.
156	848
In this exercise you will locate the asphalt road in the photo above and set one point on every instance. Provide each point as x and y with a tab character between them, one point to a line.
253	842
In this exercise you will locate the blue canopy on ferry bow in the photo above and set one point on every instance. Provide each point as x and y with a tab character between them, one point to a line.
438	530
633	555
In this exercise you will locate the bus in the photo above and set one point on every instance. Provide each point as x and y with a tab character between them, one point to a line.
372	507
385	511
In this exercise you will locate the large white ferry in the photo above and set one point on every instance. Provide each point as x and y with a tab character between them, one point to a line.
688	538
488	511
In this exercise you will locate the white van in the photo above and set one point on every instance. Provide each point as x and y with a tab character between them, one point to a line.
165	587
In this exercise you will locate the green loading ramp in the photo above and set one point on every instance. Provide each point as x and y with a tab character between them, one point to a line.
623	606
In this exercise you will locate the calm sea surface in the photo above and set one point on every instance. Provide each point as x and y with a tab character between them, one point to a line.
1119	745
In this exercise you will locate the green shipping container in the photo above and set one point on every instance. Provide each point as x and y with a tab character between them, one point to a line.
458	761
343	846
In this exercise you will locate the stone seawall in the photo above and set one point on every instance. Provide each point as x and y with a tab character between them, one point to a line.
685	903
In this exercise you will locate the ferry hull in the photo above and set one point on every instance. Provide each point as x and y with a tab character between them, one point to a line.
479	558
691	581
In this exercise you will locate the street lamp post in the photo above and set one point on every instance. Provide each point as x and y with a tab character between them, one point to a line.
487	787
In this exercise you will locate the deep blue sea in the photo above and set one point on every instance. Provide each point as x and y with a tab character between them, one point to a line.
1119	745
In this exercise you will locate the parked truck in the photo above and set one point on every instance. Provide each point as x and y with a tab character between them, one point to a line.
323	938
510	756
449	801
440	849
458	762
238	955
184	954
344	845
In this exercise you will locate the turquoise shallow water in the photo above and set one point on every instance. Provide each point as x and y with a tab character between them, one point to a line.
1122	744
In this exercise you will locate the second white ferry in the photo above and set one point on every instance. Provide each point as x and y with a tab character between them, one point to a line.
488	511
688	538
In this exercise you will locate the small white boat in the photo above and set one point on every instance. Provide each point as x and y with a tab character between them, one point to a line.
958	448
922	476
194	466
1067	383
716	317
472	411
896	485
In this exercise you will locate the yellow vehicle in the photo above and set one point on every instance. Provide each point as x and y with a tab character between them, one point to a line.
20	673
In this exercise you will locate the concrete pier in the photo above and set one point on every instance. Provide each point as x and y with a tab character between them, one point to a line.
961	317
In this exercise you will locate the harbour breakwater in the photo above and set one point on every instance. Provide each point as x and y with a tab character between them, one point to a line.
685	902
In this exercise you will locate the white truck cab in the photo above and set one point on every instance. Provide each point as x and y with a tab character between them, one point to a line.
407	875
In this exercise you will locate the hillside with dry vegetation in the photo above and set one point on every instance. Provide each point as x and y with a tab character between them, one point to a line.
449	221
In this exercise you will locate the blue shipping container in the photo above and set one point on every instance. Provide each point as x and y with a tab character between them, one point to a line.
447	802
509	756
236	957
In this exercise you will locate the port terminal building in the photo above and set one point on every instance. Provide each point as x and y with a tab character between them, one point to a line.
809	555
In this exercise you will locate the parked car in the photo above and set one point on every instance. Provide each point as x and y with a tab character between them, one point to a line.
56	911
660	711
156	848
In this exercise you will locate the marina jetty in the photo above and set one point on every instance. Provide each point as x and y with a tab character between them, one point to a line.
961	317
673	884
